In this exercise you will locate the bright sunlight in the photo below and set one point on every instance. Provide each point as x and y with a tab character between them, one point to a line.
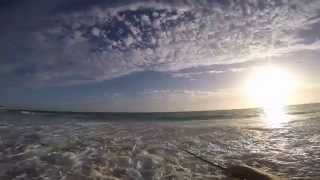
270	88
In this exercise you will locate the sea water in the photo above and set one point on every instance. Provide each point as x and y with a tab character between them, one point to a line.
81	146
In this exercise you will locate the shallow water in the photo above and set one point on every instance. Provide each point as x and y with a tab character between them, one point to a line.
38	146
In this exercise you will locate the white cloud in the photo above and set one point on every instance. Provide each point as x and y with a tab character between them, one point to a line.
95	31
192	75
237	69
187	93
177	35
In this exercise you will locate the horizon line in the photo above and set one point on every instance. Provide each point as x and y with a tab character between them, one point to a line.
135	112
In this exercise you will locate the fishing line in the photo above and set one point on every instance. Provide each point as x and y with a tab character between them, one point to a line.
200	158
204	160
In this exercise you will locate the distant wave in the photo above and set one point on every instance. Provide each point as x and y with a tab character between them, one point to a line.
27	112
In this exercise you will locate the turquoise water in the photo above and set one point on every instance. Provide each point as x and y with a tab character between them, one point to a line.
51	145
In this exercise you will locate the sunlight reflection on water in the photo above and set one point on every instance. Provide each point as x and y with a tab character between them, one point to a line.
274	117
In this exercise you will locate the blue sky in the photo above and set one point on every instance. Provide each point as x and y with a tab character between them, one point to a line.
101	55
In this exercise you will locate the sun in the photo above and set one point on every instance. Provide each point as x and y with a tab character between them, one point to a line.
270	86
271	89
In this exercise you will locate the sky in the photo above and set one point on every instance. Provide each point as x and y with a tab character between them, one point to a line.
152	55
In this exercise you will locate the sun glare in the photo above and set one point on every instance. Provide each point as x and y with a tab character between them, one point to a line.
270	88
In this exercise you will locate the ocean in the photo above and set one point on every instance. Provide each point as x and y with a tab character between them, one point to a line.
45	145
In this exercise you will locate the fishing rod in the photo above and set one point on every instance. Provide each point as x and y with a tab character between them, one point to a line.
242	172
